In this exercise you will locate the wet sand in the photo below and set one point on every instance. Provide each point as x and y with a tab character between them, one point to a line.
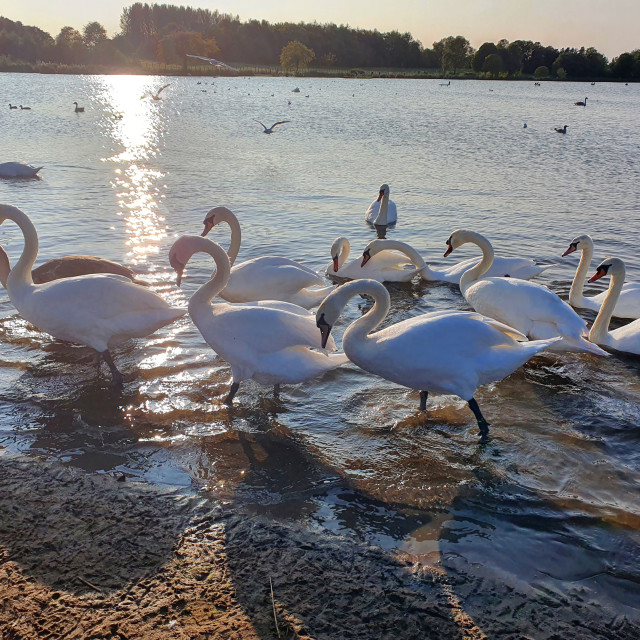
91	556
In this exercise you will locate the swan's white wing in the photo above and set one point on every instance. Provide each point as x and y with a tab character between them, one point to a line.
389	265
212	61
628	305
18	170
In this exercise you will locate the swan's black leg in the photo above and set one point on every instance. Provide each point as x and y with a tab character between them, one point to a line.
232	392
482	423
118	380
423	400
381	230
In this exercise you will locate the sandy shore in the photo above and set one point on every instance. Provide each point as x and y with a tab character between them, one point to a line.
87	556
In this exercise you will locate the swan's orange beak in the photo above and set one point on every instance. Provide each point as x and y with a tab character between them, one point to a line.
366	256
380	196
208	225
449	249
572	247
335	264
600	272
325	330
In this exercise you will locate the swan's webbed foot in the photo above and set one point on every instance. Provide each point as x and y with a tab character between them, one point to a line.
232	392
423	400
118	379
483	425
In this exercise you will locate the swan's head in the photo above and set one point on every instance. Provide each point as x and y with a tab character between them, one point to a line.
326	316
214	217
374	247
336	250
5	267
580	243
611	267
456	239
384	189
180	253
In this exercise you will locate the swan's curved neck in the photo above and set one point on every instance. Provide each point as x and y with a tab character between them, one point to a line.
21	273
360	328
236	235
473	274
381	218
576	294
203	296
600	327
416	259
345	251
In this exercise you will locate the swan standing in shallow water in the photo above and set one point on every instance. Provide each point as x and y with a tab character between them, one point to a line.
628	301
18	170
384	266
268	277
382	212
95	310
530	308
625	338
522	268
451	352
270	342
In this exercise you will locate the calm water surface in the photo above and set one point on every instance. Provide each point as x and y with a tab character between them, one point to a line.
551	503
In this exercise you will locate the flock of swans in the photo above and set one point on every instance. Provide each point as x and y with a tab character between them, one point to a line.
265	331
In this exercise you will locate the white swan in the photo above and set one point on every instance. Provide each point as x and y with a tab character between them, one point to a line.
95	310
521	268
445	351
268	277
18	170
270	342
625	338
528	307
67	267
628	302
384	266
382	211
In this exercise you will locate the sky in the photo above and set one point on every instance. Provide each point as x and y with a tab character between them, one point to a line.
611	27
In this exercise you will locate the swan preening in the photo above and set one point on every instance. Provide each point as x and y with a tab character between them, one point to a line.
18	170
451	352
626	338
264	278
522	268
531	308
628	300
271	342
98	311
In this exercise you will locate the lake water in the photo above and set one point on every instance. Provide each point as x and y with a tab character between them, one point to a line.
550	507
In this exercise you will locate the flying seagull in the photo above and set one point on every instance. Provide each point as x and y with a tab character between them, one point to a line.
155	96
272	127
213	61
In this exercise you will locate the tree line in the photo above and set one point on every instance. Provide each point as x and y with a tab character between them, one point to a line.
163	33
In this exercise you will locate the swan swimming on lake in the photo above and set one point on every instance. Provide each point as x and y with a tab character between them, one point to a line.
382	211
271	342
18	170
78	109
450	352
562	130
580	103
98	311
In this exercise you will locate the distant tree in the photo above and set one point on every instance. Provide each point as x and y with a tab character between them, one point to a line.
296	56
93	34
455	53
485	50
69	46
626	65
493	65
541	72
561	73
174	47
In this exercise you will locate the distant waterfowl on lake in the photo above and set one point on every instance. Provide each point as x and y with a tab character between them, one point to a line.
12	106
270	129
25	108
449	352
626	338
563	130
97	310
628	298
445	84
531	308
580	103
18	170
78	109
271	342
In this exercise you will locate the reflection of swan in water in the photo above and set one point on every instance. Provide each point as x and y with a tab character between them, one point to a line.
95	310
626	338
18	170
270	341
444	351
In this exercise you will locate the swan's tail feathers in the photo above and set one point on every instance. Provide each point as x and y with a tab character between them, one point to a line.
535	346
585	345
308	298
35	171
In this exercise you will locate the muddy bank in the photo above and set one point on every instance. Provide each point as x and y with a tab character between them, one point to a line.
88	556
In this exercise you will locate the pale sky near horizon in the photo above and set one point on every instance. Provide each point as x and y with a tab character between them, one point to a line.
611	27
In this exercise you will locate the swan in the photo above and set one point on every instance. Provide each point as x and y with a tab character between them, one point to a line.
530	308
67	267
270	342
384	266
18	170
94	310
374	213
522	268
580	103
270	129
628	302
267	277
625	338
450	352
562	130
78	109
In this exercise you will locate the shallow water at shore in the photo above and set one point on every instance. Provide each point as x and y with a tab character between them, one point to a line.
550	506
